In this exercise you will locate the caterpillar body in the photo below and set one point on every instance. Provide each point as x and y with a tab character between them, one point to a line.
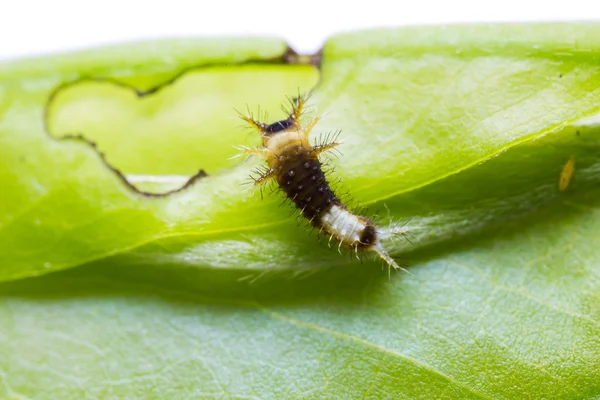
294	164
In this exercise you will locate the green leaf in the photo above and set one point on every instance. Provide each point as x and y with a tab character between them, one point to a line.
464	131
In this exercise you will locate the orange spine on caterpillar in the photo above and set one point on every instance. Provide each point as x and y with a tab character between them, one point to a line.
294	163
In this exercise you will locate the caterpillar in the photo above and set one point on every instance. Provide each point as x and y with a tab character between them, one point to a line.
294	164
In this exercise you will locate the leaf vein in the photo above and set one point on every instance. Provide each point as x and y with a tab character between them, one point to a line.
366	343
524	293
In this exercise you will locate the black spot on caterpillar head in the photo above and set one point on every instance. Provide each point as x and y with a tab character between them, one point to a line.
279	126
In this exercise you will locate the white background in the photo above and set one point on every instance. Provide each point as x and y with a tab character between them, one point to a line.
30	27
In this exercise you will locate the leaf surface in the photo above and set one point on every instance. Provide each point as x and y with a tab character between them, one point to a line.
213	292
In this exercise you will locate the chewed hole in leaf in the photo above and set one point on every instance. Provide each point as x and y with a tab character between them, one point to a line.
160	138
